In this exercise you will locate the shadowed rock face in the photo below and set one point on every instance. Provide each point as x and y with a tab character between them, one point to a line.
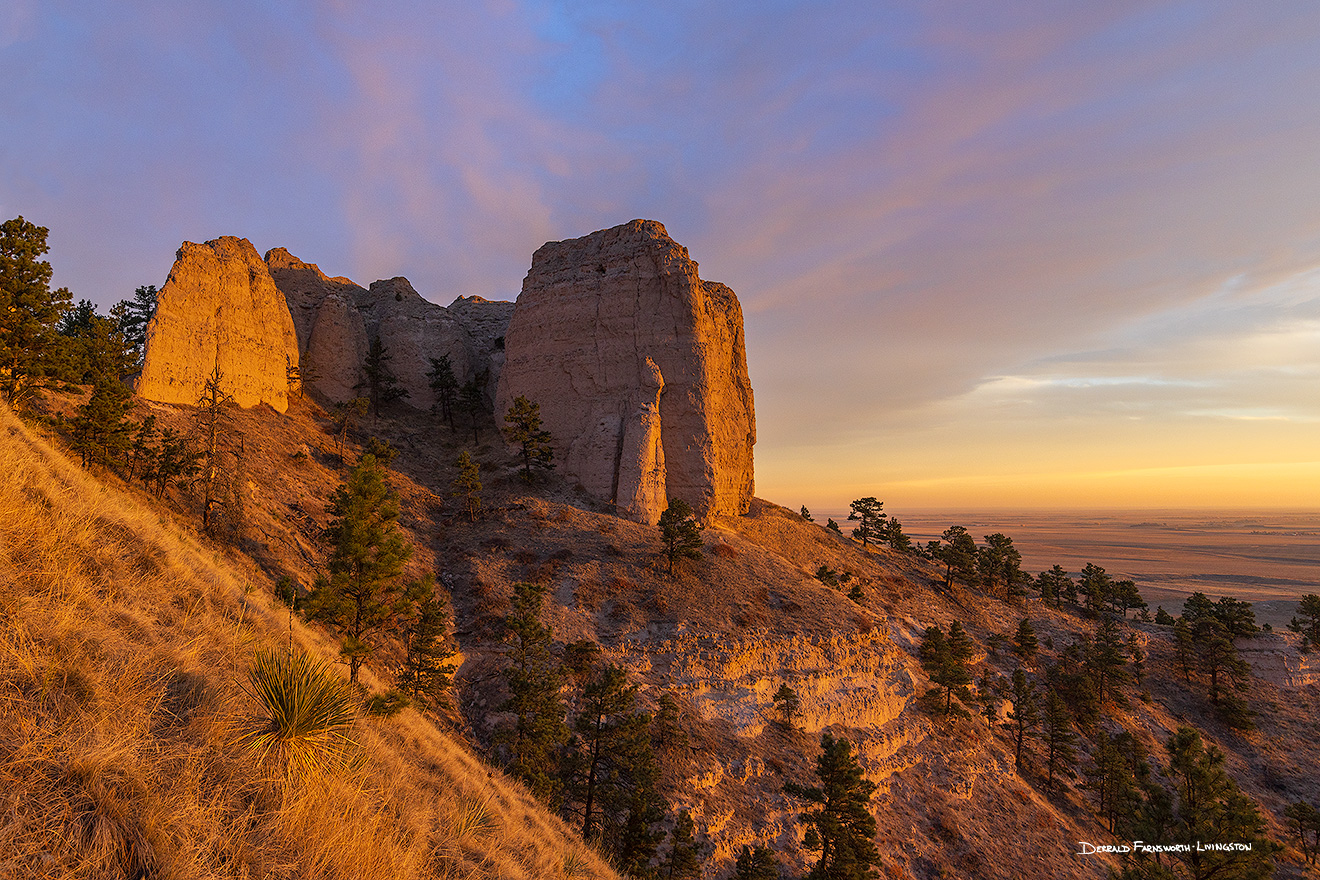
219	309
639	369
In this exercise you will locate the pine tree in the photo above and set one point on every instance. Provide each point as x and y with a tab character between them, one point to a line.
1097	587
610	770
893	535
133	316
999	562
957	550
679	533
833	526
1106	662
361	597
467	485
1025	643
30	345
1164	618
143	448
539	729
472	400
870	519
212	426
101	430
840	827
1307	621
444	384
1024	715
787	705
806	514
1058	733
1125	596
945	661
757	863
1304	822
1057	586
345	417
426	642
524	428
1212	809
683	862
381	385
172	462
1184	647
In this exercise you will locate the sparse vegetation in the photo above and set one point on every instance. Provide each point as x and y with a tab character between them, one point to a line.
306	721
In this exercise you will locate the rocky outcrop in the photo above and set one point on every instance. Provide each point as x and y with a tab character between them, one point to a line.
219	310
639	369
336	320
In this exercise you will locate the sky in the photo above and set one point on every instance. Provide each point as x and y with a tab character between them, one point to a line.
1024	254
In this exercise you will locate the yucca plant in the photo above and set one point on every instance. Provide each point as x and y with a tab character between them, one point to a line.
307	713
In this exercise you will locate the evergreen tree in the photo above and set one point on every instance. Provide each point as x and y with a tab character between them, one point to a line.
1058	733
833	526
870	519
945	661
213	426
1212	809
757	863
1307	621
1055	585
1097	587
682	862
94	348
1304	822
610	769
999	563
1106	662
787	705
1163	618
30	345
143	448
361	596
893	535
539	730
133	316
1137	657
1024	716
958	553
379	381
101	430
472	400
524	428
426	642
1238	618
679	533
1025	643
840	827
988	692
1184	647
172	462
1125	595
345	417
444	384
467	485
806	514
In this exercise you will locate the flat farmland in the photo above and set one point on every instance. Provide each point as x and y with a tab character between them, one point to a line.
1267	557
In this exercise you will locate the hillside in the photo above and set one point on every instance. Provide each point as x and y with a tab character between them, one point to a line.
123	648
720	638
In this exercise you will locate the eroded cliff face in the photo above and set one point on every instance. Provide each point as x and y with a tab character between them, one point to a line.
219	310
640	371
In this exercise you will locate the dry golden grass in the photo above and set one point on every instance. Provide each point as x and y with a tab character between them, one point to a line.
123	646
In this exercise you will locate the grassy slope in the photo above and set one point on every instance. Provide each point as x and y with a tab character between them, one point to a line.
123	642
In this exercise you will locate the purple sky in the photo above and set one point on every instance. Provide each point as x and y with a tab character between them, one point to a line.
991	254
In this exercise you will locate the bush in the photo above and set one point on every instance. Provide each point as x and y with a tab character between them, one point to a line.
307	713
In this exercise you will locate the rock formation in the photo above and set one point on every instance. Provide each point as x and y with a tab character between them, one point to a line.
639	369
336	320
219	310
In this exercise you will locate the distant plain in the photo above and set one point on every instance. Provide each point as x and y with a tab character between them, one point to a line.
1267	557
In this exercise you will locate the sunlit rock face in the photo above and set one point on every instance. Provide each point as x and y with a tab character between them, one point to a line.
639	369
219	310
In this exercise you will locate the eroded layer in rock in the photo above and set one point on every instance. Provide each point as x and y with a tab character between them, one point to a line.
622	344
219	310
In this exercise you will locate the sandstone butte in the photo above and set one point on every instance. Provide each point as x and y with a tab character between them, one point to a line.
640	371
219	310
